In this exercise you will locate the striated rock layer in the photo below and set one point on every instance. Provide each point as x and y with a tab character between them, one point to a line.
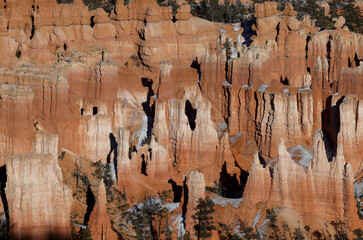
324	189
39	203
170	106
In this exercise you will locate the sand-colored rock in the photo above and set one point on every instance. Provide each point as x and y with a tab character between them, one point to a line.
39	202
99	221
196	190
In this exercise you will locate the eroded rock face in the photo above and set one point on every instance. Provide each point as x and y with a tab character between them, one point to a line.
39	202
99	221
350	136
163	100
196	190
16	120
327	186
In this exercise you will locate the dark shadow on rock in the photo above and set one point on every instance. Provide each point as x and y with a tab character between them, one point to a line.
90	204
113	149
232	185
177	190
3	180
191	113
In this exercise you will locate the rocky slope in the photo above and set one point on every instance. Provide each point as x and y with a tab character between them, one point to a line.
168	106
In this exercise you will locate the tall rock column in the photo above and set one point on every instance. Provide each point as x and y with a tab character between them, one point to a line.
16	123
258	184
196	190
351	131
123	160
39	203
100	223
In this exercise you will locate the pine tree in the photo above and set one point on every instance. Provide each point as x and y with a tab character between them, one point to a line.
353	17
107	178
298	234
85	234
203	218
358	234
272	216
167	229
317	13
147	218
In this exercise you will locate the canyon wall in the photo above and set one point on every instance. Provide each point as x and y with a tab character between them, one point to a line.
160	98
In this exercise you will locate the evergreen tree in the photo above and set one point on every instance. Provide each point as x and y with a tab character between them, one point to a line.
317	13
167	228
334	5
298	234
107	178
358	234
168	3
340	230
272	216
85	234
203	218
353	17
307	229
317	234
82	234
214	12
227	46
146	219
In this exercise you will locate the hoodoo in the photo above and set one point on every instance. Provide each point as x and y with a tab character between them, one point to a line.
148	119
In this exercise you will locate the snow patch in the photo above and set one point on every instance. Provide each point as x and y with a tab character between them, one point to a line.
263	87
234	53
236	26
358	187
257	219
223	202
304	89
286	90
172	206
225	83
222	126
234	139
142	133
301	156
177	223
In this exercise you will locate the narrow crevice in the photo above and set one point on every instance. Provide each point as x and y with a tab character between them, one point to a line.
33	28
186	198
90	200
